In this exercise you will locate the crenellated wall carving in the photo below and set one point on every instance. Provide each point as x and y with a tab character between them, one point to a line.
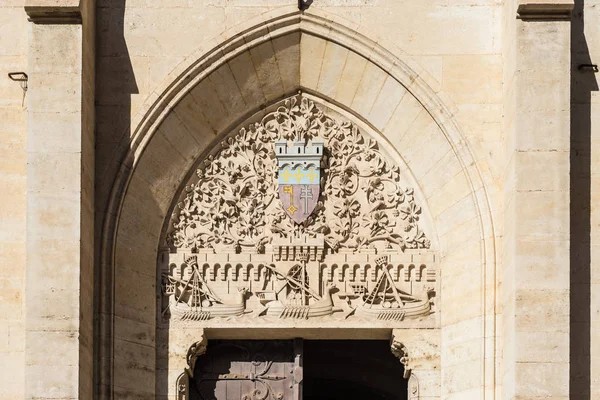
297	217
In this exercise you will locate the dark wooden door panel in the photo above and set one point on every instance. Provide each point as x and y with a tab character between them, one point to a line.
248	370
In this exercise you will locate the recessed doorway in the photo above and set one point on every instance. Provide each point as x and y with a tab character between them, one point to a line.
352	369
298	370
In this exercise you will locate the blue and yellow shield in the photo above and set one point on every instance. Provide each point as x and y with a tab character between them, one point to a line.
299	177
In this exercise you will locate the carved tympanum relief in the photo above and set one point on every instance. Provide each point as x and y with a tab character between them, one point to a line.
299	216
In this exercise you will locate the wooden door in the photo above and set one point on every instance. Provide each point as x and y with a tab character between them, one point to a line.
249	370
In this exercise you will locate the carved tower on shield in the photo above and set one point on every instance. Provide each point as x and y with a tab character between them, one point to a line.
299	177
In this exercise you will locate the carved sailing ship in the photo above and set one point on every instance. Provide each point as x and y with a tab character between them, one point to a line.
194	300
386	302
300	302
298	182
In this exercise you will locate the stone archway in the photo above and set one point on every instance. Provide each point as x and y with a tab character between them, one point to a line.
182	121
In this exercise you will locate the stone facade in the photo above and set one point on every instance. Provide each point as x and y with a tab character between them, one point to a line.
443	196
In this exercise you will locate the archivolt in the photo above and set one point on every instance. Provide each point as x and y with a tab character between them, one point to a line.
216	89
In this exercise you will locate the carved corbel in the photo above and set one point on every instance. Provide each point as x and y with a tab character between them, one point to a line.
196	350
399	350
183	382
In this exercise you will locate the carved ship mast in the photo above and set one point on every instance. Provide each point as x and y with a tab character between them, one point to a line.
298	306
387	303
202	302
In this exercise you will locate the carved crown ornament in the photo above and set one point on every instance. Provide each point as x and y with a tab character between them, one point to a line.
299	216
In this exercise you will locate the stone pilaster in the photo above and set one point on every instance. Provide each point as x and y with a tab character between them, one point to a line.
60	192
536	236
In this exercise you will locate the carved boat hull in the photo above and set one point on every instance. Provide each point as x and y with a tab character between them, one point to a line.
205	313
318	309
410	310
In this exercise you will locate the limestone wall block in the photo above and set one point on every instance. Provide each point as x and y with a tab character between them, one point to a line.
466	349
422	149
64	349
368	89
455	215
51	217
144	314
136	362
65	304
44	180
13	212
312	53
139	296
473	79
145	27
191	115
542	264
464	301
287	51
57	260
12	373
542	346
215	113
13	30
127	81
68	124
12	299
547	308
267	70
545	93
227	90
56	49
445	183
125	329
454	239
180	138
455	335
542	380
247	79
554	124
457	382
57	384
133	250
478	33
387	101
12	253
542	215
334	61
351	77
54	92
411	136
403	117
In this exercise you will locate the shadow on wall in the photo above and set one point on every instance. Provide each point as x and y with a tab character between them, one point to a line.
115	85
583	82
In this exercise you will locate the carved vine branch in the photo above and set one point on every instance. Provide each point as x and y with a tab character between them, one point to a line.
234	202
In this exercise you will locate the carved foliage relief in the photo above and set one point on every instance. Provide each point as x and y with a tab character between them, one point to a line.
235	203
236	247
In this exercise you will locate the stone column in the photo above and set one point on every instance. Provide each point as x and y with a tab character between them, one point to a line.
536	202
60	192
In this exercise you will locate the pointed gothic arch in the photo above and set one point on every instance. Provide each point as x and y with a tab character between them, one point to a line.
212	92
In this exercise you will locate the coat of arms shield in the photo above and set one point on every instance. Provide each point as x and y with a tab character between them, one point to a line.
299	177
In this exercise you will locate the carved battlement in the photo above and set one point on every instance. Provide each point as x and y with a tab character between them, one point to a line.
291	249
298	149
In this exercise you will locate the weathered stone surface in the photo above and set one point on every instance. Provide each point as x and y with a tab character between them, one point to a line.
480	104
